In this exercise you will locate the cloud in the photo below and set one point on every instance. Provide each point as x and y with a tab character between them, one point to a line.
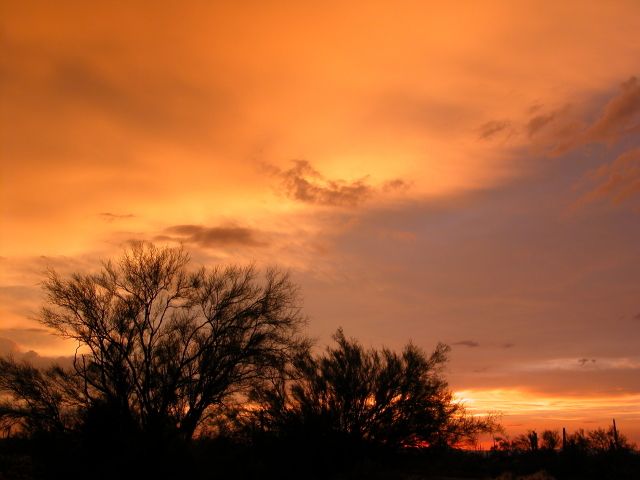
564	130
637	317
396	184
571	364
468	343
208	237
619	117
8	346
543	123
490	129
110	217
619	180
305	184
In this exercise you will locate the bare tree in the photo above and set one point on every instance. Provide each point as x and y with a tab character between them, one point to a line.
160	346
42	400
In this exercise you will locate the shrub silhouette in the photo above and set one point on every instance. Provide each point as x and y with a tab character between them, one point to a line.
352	400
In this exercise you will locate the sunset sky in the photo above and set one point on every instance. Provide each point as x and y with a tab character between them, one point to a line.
464	171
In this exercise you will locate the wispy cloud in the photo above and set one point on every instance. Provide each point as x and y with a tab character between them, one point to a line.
621	116
565	129
468	343
624	363
491	129
556	126
110	217
619	180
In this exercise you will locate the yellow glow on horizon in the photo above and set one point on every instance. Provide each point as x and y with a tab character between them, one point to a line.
525	410
521	402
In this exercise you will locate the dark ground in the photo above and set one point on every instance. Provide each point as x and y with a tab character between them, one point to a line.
51	459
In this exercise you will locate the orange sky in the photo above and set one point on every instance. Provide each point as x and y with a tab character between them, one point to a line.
465	172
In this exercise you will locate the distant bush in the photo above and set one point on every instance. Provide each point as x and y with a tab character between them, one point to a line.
586	441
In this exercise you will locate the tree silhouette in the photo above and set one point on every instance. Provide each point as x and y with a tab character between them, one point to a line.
351	398
159	346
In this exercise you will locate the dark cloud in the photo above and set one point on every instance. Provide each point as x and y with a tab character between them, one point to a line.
619	117
305	184
468	343
538	122
212	236
186	229
507	345
637	317
534	108
110	217
488	130
582	361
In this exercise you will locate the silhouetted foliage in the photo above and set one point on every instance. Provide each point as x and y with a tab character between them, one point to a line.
583	441
350	399
159	346
551	439
586	454
43	400
205	374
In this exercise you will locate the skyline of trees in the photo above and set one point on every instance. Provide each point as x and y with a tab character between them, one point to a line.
182	369
159	346
162	347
